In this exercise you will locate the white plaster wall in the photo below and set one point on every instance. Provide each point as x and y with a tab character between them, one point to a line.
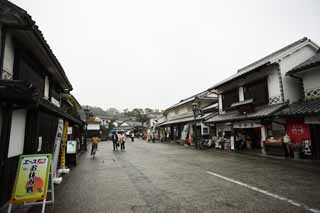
311	79
274	84
182	110
17	132
241	94
171	114
8	55
46	88
220	104
291	86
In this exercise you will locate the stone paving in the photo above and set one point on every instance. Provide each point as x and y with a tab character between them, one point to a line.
159	177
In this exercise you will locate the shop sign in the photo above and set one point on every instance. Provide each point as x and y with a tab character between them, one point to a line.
298	131
246	124
71	147
69	130
32	178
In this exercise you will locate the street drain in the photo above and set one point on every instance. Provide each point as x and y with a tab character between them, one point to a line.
141	209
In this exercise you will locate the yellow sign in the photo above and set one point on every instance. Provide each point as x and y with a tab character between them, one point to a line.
32	177
63	145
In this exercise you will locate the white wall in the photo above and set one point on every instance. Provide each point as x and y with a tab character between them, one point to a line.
241	94
291	86
8	56
220	104
17	132
46	88
274	84
311	79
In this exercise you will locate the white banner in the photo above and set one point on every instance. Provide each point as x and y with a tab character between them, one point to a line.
56	148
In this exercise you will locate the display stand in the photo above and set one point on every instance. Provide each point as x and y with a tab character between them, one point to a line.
50	189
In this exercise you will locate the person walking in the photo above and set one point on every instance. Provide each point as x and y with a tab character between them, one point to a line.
122	141
132	137
114	138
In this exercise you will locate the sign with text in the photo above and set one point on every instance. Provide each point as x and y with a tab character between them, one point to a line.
32	177
71	147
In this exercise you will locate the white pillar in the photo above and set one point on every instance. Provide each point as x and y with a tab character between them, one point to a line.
263	138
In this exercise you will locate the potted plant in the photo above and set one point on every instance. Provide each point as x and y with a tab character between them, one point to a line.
296	148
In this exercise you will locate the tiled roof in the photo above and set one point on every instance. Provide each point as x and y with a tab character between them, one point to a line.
301	108
269	59
201	96
19	17
311	62
260	112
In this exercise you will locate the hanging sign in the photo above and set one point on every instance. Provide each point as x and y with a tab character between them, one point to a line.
32	177
69	130
246	124
71	147
56	148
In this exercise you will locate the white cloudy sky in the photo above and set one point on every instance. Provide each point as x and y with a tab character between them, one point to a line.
147	53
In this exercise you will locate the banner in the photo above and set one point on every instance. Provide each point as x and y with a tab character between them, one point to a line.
32	177
56	149
298	130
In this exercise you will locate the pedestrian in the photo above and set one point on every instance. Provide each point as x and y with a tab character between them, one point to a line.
286	140
122	141
132	137
114	138
94	144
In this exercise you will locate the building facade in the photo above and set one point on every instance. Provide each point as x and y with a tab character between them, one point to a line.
178	121
249	98
34	92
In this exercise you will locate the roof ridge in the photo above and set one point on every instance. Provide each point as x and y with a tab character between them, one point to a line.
274	53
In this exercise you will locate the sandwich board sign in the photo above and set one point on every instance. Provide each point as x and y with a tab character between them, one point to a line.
32	179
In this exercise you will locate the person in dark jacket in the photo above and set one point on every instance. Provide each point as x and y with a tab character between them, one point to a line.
115	141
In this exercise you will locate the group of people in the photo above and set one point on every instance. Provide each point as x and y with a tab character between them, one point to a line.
118	139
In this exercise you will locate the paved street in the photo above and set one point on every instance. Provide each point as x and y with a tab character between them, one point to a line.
171	178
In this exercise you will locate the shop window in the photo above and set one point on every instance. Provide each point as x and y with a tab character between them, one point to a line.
29	73
258	91
205	130
228	98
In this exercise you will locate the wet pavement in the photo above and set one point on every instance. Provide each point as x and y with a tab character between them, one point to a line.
160	177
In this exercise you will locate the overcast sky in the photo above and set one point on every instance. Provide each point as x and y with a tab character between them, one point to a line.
147	53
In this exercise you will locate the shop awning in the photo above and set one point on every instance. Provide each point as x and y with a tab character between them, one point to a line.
178	120
260	112
186	119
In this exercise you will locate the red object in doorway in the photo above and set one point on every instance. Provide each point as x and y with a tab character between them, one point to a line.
298	130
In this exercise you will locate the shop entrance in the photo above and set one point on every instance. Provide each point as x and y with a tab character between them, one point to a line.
315	141
248	138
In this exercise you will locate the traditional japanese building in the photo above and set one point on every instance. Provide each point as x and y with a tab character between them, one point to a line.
257	91
303	117
179	120
34	94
